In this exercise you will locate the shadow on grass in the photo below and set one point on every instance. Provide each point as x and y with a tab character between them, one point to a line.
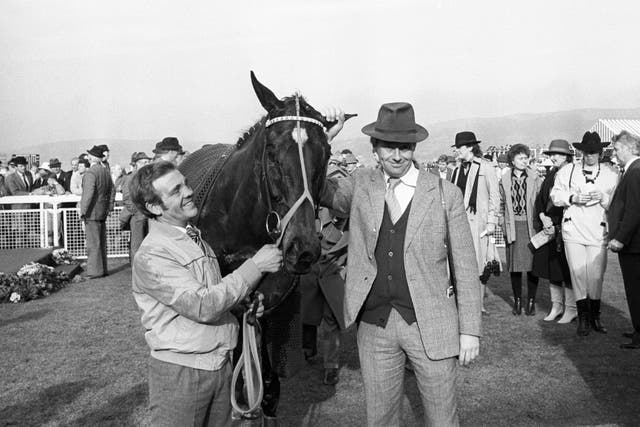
34	315
119	268
118	410
38	409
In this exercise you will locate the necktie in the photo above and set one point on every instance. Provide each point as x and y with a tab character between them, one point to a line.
194	234
393	206
26	181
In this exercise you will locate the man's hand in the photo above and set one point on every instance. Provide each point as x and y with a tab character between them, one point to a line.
332	114
268	259
616	245
469	349
257	300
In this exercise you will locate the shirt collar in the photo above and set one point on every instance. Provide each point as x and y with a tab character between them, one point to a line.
410	178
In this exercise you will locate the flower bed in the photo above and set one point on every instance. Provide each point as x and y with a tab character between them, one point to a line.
34	280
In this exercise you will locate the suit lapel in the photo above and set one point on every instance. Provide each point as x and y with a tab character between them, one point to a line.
377	191
422	200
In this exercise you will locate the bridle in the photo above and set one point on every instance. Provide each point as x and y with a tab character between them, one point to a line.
275	225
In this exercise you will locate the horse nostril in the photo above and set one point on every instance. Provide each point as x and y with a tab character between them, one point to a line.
306	257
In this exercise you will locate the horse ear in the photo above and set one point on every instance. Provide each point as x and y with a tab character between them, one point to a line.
265	96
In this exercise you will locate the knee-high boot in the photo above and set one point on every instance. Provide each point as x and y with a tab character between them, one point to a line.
516	286
596	325
532	289
556	302
583	317
570	311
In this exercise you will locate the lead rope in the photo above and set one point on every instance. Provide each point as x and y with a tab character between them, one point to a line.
252	373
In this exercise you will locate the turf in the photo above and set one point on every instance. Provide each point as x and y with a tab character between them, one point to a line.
78	357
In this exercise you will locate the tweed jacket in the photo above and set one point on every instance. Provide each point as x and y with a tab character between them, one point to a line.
439	318
533	188
97	193
487	204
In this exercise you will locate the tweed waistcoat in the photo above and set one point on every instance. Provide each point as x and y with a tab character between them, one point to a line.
390	288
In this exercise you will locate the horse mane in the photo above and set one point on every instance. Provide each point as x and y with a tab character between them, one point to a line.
248	134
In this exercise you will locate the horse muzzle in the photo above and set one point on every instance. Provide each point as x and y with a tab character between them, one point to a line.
300	254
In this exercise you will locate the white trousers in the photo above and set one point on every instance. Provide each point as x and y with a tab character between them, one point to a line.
587	265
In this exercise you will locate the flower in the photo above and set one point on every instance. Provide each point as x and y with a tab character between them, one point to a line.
15	297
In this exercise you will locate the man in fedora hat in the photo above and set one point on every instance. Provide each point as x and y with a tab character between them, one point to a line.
584	191
95	204
168	150
478	181
63	178
397	284
130	217
624	226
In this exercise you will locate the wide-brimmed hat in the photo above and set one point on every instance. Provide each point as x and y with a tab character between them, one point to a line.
46	166
103	147
96	151
139	155
559	146
465	138
591	143
169	143
396	123
54	163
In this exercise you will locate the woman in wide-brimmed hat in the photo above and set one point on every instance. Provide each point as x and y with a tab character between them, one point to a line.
584	191
550	261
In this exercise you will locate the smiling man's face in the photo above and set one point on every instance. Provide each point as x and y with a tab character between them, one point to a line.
177	204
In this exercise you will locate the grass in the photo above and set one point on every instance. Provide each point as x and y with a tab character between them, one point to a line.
78	357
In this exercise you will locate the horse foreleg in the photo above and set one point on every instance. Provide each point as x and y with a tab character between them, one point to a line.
271	396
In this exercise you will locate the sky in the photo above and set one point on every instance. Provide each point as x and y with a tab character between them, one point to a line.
147	69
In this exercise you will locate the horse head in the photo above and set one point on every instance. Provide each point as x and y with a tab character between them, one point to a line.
294	163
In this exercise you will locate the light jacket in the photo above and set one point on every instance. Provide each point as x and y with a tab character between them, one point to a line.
184	300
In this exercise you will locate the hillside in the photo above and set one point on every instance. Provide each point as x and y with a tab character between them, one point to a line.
530	129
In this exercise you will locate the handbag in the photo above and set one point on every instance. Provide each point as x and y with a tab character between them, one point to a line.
451	290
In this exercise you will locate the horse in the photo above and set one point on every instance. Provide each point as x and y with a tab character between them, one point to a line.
265	189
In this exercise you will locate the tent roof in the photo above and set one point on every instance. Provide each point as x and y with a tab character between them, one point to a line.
607	128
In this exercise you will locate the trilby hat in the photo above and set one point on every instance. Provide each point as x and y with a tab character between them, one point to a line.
96	151
169	143
54	163
396	123
19	160
465	138
591	143
139	155
559	146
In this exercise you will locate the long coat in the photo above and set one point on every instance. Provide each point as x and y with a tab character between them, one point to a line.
97	193
440	320
17	187
487	204
533	187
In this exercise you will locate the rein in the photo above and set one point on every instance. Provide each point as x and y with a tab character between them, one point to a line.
275	225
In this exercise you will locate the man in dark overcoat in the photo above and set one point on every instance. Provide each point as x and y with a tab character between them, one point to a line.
624	226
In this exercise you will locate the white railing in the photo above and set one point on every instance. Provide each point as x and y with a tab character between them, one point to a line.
54	221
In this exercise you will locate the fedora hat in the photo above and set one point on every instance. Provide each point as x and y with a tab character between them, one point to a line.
19	160
169	143
46	166
139	155
396	123
591	143
559	146
465	138
103	147
54	163
96	151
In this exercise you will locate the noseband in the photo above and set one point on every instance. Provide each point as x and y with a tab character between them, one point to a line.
275	225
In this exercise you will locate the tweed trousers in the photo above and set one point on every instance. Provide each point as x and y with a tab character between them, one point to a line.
96	232
182	396
383	353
